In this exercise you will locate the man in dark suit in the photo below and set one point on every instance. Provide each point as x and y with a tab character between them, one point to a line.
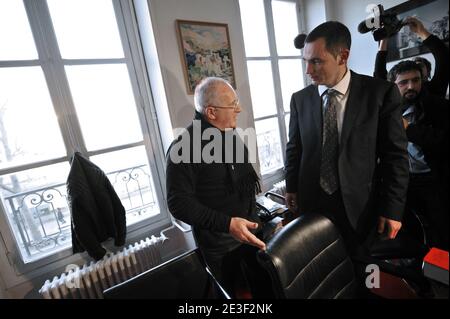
346	157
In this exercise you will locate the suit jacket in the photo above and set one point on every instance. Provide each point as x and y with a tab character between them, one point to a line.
373	158
97	212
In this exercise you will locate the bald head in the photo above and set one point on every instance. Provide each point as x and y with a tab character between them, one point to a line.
209	92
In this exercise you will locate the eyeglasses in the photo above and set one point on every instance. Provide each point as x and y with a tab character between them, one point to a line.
235	105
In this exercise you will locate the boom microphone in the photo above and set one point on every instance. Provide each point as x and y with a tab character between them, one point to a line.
299	41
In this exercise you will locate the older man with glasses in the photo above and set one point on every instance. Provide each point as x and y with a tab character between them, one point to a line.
217	197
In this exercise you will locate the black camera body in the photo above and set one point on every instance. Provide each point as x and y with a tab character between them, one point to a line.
382	24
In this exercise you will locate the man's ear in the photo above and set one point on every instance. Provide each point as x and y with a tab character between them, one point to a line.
210	113
343	56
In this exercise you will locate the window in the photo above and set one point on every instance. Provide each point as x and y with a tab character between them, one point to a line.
69	82
275	72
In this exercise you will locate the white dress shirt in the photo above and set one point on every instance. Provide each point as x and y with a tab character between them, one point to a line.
343	87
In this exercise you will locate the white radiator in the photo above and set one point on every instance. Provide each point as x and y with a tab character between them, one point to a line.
89	281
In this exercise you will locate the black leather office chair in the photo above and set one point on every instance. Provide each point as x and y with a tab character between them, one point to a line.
307	259
401	256
411	241
185	277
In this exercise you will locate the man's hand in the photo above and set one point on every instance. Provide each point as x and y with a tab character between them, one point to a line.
291	201
417	27
383	44
391	226
239	229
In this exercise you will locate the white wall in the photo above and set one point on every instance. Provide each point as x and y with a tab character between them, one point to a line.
164	14
314	13
351	13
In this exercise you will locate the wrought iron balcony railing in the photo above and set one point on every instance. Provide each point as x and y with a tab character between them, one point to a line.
41	218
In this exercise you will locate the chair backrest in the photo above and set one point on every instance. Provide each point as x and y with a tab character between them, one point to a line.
184	277
307	259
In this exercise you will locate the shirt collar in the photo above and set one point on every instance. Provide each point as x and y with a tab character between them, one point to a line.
341	87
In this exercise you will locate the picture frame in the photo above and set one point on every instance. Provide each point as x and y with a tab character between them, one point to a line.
434	16
205	51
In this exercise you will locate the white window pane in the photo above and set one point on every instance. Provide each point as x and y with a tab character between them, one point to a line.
286	26
36	206
16	40
261	88
130	175
254	28
269	145
287	117
29	130
86	28
291	78
105	105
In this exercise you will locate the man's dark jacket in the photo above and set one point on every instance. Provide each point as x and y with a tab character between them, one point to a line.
208	195
97	213
372	130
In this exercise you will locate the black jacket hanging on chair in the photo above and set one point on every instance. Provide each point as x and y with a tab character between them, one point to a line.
97	213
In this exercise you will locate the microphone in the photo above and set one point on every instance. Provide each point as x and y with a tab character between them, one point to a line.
299	41
362	27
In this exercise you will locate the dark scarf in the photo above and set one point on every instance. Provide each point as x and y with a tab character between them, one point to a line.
242	178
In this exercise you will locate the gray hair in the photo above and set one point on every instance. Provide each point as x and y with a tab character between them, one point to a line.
206	92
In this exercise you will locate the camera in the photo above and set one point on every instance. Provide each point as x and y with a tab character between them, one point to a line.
382	24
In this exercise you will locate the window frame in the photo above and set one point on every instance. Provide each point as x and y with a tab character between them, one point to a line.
52	65
274	176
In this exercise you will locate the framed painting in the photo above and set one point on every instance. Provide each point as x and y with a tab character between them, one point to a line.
205	51
434	16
